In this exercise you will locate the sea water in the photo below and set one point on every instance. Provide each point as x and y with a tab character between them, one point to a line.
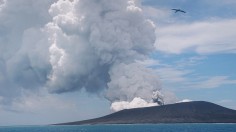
126	128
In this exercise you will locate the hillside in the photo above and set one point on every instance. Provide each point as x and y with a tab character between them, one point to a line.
188	112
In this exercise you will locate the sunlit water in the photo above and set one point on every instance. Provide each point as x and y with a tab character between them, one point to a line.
126	128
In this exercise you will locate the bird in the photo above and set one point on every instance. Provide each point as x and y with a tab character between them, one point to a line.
178	10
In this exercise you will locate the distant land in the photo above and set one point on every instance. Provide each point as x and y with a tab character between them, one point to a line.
187	112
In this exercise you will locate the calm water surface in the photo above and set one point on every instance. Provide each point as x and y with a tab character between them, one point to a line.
126	128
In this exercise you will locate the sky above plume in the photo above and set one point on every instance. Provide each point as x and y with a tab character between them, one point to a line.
69	60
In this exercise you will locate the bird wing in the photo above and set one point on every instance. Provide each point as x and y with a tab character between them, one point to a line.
178	10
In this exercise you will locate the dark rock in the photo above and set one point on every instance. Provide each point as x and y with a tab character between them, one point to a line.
188	112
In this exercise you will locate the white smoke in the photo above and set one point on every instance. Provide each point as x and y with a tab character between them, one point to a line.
135	103
131	80
73	44
184	100
2	4
22	65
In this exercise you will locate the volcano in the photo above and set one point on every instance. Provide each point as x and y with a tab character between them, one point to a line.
187	112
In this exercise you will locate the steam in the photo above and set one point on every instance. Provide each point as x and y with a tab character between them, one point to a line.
184	100
81	44
135	103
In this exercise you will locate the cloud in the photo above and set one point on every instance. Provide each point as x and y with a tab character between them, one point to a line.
191	61
158	15
206	37
182	75
214	82
173	78
219	2
174	72
172	75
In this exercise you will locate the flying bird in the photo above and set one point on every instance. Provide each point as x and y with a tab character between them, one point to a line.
178	10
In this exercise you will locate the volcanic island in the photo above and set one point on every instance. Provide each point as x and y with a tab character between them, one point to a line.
185	112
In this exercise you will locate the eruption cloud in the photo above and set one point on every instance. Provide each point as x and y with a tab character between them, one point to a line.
76	44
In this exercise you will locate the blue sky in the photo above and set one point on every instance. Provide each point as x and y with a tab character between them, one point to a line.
196	49
194	58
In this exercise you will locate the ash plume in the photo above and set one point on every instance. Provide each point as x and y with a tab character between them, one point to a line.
76	44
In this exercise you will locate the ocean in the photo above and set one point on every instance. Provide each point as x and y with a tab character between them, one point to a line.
125	128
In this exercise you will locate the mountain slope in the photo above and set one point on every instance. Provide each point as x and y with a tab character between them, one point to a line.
188	112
